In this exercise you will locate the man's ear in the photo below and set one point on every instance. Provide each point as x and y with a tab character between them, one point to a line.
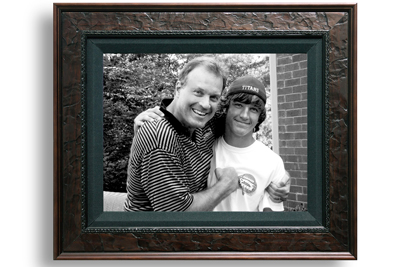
178	86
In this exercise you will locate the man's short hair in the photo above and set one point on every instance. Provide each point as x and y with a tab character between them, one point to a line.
211	64
245	99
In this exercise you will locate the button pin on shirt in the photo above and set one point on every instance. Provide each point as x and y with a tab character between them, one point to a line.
247	183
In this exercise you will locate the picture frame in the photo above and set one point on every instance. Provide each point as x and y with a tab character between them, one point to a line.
326	32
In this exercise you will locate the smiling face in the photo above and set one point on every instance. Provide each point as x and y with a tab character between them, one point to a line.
240	121
197	99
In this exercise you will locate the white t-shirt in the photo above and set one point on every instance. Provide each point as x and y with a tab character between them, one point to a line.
256	160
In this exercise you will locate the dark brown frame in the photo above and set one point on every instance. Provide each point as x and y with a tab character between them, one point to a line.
338	242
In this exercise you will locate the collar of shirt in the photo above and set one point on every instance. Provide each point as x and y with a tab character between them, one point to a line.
171	118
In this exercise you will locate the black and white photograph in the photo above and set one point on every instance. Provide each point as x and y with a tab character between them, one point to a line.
255	106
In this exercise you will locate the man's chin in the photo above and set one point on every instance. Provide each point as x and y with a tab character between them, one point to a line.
239	131
198	123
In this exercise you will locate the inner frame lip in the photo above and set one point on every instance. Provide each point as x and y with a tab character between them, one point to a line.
95	43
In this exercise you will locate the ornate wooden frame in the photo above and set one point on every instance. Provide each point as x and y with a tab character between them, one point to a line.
336	239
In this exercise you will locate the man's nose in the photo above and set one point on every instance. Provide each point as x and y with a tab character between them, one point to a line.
245	113
205	102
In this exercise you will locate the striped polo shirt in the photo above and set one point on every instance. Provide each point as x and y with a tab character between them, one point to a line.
167	165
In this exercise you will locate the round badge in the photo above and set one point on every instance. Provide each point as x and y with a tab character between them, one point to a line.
248	183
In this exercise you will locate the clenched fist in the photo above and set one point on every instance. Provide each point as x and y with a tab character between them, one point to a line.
229	177
279	192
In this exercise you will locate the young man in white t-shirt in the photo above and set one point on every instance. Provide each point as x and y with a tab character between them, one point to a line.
257	165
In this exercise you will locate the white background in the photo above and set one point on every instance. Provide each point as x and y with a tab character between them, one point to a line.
27	132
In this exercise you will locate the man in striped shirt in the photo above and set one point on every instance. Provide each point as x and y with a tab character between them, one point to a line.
170	158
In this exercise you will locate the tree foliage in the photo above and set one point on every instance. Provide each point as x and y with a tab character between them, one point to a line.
135	82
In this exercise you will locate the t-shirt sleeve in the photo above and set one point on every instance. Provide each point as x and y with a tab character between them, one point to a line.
277	176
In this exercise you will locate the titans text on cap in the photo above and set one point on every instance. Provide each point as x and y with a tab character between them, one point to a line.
249	87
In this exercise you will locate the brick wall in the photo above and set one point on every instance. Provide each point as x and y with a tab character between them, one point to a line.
292	113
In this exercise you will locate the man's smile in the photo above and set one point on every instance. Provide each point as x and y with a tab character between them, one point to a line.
243	122
199	112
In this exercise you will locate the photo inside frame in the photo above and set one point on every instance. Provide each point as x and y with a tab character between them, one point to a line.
134	83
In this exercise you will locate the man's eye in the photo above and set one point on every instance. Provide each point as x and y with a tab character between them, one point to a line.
214	98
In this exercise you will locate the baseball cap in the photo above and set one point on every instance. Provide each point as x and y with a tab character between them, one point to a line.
248	85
